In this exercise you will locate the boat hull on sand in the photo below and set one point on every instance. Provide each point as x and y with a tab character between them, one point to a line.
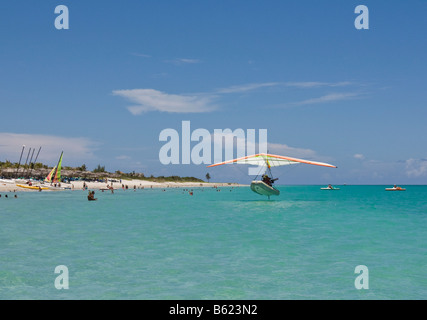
264	189
32	187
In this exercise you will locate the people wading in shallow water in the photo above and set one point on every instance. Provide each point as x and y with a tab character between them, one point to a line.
6	196
91	196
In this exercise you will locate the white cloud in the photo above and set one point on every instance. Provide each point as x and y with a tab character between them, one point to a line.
153	100
181	61
359	156
247	87
241	144
75	149
416	167
306	84
314	84
285	150
332	97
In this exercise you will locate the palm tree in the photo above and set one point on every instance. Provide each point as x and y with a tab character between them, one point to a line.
208	177
99	169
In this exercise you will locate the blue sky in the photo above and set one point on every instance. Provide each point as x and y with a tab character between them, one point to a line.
104	89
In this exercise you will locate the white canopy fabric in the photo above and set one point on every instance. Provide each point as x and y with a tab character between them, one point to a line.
270	160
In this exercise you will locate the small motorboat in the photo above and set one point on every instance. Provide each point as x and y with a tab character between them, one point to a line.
395	189
329	187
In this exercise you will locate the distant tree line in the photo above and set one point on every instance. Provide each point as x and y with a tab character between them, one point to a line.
8	164
101	169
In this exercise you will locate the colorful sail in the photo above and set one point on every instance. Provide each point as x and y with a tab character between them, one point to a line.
54	175
50	175
271	160
57	176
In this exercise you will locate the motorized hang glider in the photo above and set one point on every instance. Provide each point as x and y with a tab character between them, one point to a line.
265	187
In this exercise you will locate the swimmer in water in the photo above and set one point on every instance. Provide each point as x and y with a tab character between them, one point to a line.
91	196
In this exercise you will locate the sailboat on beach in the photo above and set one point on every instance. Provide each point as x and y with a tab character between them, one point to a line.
53	178
54	175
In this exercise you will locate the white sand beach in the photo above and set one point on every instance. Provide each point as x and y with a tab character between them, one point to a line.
124	184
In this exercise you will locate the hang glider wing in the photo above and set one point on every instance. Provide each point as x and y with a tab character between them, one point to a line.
270	160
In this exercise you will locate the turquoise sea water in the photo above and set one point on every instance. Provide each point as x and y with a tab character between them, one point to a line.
228	244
